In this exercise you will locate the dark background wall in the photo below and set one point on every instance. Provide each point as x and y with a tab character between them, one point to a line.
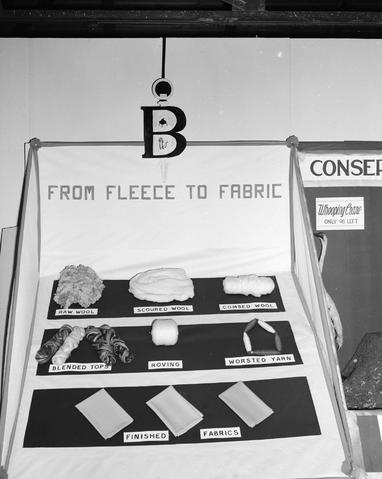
353	266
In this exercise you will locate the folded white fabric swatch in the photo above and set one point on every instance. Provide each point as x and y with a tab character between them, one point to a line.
246	404
175	411
104	413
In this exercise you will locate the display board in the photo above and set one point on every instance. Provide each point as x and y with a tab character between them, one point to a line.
209	298
243	371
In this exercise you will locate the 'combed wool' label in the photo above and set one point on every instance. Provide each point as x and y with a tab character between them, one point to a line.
167	364
173	308
246	306
220	433
79	367
77	312
145	436
253	360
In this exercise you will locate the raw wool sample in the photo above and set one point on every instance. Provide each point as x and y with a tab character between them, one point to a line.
162	285
78	285
70	343
248	284
108	345
164	332
50	347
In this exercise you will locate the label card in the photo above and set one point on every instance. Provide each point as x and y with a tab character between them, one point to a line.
145	436
250	360
166	364
77	312
79	367
346	213
220	433
246	306
173	308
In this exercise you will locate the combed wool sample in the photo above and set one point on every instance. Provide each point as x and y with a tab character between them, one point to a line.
78	285
248	284
162	285
108	345
50	347
70	343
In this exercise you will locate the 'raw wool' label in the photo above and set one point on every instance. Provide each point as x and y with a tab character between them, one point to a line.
173	308
145	436
79	367
168	364
77	312
251	360
246	306
220	433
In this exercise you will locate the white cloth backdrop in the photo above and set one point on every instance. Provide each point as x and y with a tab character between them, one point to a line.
212	236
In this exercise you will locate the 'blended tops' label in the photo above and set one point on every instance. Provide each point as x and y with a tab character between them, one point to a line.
79	367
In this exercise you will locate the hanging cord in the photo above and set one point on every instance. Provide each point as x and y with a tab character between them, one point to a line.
163	57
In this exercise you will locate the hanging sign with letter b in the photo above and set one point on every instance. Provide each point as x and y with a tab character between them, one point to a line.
161	131
162	124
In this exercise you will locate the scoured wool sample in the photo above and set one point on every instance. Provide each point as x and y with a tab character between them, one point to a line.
162	285
50	347
78	284
248	284
108	345
70	343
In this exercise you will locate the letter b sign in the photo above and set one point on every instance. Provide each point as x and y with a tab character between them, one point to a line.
161	131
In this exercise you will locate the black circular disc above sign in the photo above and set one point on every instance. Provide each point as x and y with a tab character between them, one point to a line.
162	89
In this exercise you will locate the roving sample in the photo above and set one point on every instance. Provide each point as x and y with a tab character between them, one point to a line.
164	332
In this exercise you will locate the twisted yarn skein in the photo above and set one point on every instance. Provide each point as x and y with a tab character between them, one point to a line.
70	343
108	345
50	347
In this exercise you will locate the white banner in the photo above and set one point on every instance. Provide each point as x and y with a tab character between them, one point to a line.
214	210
